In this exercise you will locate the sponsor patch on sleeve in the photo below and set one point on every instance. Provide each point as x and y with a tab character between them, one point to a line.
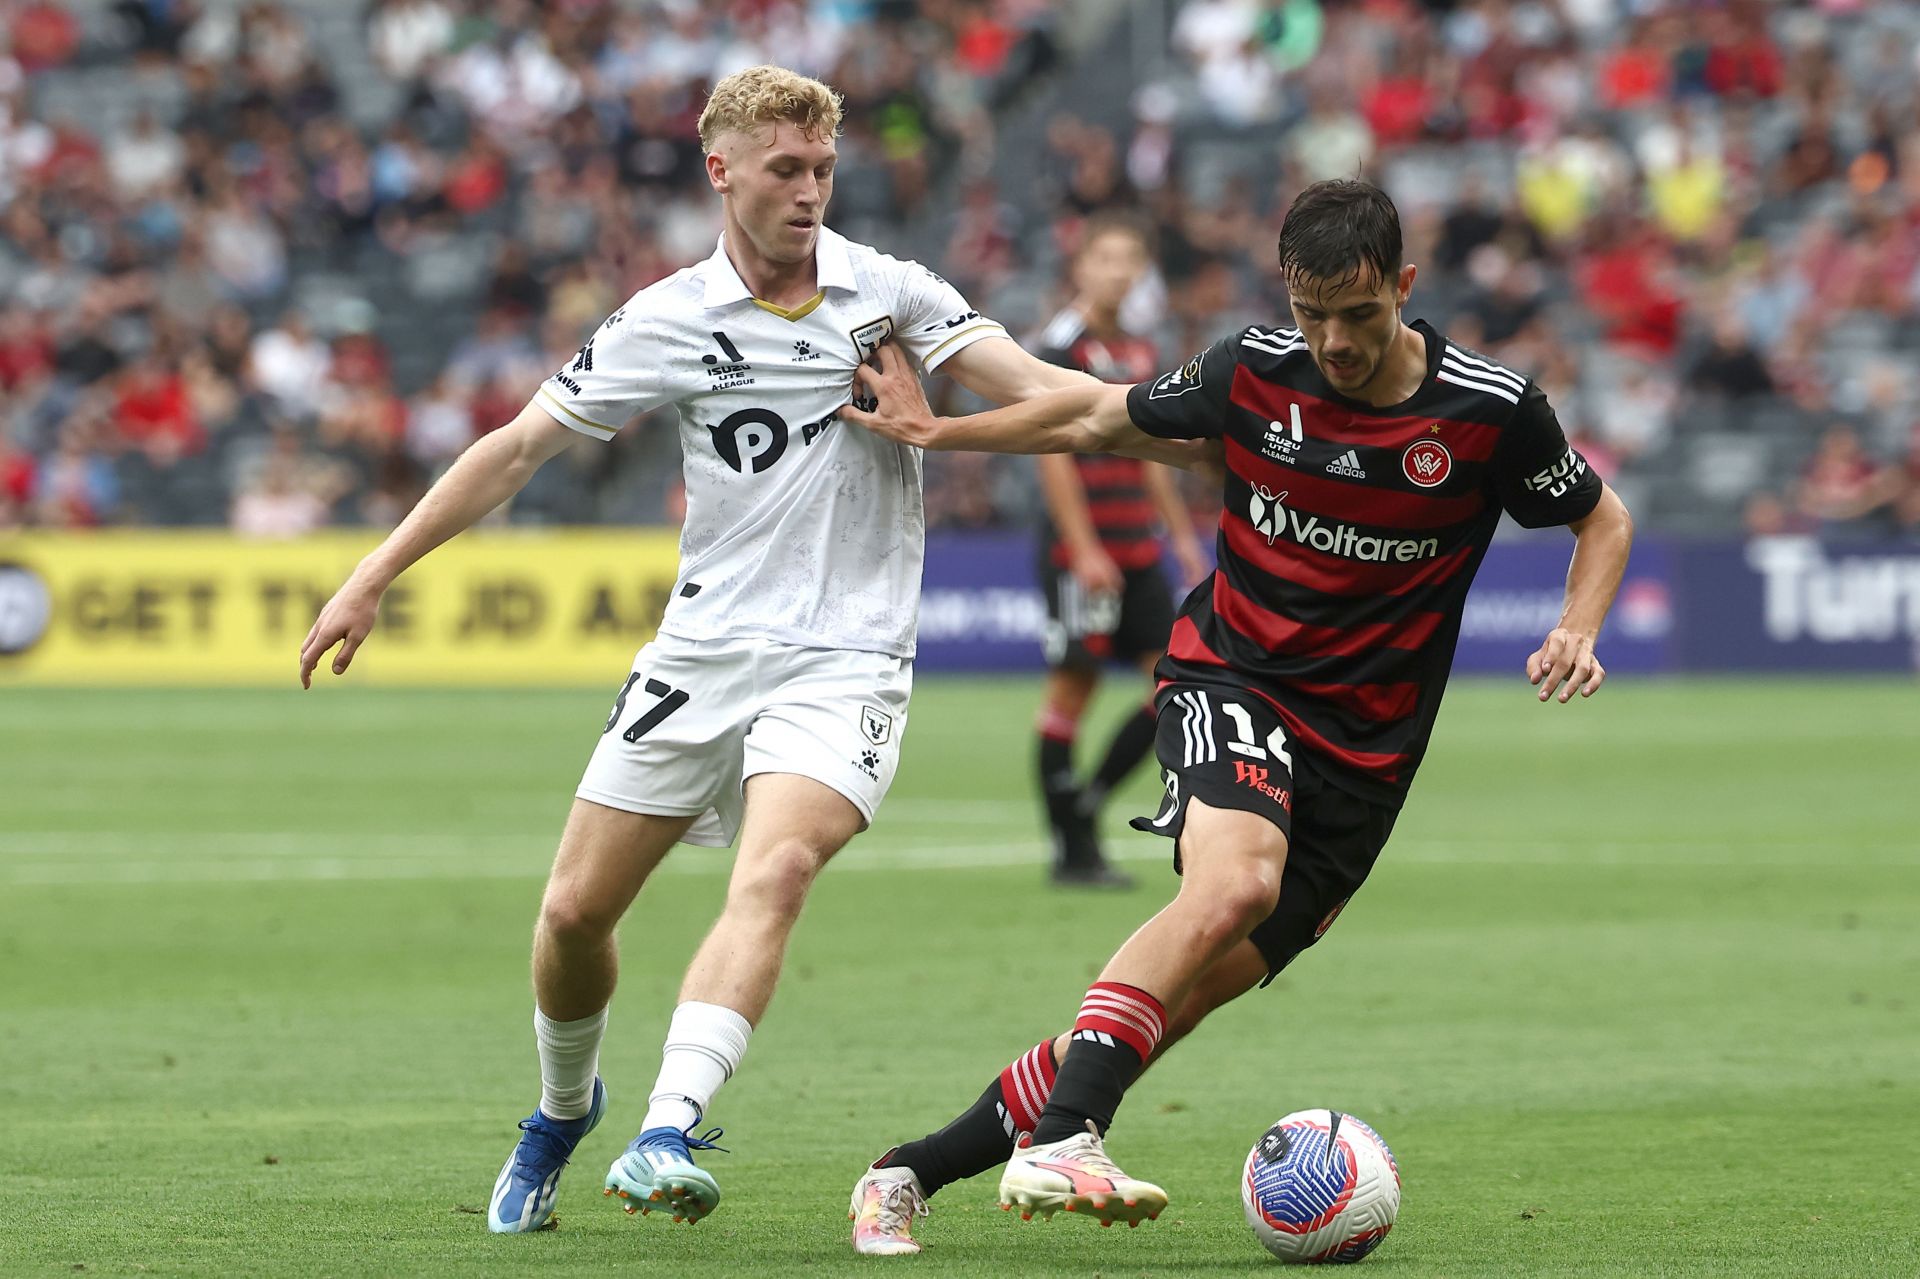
1179	382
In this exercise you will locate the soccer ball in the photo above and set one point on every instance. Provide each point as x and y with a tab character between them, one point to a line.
1320	1186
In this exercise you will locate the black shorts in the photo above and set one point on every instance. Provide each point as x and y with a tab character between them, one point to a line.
1227	747
1085	630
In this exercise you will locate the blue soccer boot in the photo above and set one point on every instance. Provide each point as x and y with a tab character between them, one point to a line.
523	1196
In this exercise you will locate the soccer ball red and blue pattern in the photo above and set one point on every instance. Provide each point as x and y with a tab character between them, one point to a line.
1320	1186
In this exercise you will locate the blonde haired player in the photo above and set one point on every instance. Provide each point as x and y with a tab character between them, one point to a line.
772	704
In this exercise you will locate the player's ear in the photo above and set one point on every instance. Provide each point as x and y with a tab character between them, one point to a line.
717	171
1403	287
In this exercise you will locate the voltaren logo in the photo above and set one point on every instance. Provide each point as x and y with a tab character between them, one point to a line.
1273	519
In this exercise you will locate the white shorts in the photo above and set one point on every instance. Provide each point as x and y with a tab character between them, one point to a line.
698	717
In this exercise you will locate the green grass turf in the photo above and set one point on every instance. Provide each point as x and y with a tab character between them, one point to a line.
1632	992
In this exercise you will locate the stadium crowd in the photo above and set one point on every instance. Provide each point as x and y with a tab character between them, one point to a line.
275	264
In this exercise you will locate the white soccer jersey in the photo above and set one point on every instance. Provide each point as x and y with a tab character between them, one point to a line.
798	528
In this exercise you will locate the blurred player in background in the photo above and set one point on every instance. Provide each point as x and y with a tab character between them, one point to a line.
1369	462
1109	522
773	702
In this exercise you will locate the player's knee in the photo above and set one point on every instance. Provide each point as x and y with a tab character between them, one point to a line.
776	881
570	916
1241	893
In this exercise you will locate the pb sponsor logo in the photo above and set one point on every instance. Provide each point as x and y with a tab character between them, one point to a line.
1273	519
1426	463
1255	776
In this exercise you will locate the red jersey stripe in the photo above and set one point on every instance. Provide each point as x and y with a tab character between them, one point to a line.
1381	703
1386	767
1333	574
1185	644
1467	441
1277	633
1360	503
1129	511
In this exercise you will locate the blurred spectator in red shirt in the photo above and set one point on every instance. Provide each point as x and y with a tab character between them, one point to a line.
1843	486
153	411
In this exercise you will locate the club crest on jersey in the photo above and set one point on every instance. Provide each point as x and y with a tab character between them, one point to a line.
1282	443
876	724
866	340
1266	514
1427	463
1179	382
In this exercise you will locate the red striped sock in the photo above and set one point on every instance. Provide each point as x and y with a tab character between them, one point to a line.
1025	1085
1114	1011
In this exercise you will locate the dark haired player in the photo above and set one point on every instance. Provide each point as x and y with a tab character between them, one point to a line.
1109	522
1368	463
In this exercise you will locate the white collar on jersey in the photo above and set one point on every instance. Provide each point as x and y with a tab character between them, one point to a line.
832	265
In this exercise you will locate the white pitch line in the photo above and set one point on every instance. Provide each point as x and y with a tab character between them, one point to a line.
45	868
688	861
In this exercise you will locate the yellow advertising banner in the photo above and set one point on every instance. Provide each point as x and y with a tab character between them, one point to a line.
561	607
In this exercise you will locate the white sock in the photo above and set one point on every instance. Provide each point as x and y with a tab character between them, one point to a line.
569	1056
705	1043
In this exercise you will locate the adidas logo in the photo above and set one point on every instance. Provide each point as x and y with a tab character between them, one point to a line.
1347	464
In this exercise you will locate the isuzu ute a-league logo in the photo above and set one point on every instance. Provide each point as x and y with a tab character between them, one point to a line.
1283	442
1427	463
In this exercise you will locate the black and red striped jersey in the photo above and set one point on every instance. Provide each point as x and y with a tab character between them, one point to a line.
1350	534
1123	515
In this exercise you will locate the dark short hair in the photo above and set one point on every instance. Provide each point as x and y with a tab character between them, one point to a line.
1338	231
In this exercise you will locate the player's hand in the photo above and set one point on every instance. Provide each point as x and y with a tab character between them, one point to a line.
1096	572
1194	565
1211	462
901	412
1566	662
345	621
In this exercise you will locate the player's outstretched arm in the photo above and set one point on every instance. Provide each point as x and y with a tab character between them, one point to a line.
1089	418
493	469
1566	660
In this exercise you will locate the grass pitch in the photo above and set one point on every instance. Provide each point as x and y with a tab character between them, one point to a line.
1632	992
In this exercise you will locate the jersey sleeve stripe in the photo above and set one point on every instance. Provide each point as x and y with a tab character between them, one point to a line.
971	331
1492	372
544	394
1510	396
1259	345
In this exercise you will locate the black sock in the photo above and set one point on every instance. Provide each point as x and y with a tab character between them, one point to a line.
1115	1033
981	1137
1059	787
1132	742
1093	1079
975	1141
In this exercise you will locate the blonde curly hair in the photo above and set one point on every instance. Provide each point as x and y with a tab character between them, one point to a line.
764	95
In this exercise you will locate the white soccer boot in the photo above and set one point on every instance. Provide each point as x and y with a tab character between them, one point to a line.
1075	1175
